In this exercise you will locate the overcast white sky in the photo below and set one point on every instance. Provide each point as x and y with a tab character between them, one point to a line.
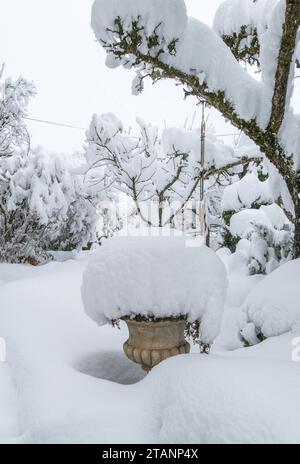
50	42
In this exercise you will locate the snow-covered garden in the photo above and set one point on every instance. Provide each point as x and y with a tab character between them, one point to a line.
149	281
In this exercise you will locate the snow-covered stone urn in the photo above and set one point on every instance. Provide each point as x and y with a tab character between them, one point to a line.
150	342
156	284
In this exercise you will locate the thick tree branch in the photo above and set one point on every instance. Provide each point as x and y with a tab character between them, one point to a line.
285	57
128	45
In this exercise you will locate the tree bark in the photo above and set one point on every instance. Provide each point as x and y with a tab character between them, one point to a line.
285	60
296	251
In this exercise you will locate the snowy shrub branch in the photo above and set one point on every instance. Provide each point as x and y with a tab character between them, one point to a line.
14	98
164	168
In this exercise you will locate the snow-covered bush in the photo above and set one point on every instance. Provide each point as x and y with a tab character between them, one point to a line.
272	308
43	207
74	228
14	148
155	278
245	193
255	228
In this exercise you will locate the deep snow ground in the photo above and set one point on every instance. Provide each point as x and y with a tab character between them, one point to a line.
54	352
68	381
8	405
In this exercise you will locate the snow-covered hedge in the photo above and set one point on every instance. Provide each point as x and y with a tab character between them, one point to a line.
265	238
273	306
43	207
156	277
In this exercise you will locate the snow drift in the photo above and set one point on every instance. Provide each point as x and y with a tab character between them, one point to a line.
273	306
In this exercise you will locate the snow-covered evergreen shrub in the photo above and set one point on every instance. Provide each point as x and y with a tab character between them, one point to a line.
255	227
73	222
265	246
247	192
44	207
43	204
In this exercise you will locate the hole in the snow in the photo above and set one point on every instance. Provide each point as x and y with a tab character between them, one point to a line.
112	366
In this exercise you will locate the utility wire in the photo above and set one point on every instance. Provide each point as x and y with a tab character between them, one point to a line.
228	135
55	123
69	126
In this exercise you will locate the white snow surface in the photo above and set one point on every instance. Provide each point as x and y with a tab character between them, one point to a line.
273	306
55	364
75	385
228	400
156	277
8	405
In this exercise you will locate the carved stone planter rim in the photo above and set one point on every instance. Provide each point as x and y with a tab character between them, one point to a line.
152	341
158	322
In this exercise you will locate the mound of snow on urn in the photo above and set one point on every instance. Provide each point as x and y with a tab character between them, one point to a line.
156	278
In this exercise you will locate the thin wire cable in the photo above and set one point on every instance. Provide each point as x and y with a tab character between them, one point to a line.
70	126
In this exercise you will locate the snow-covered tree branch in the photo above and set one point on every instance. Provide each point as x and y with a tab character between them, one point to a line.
160	41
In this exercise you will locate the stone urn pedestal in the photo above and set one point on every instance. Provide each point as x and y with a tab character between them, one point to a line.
150	342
